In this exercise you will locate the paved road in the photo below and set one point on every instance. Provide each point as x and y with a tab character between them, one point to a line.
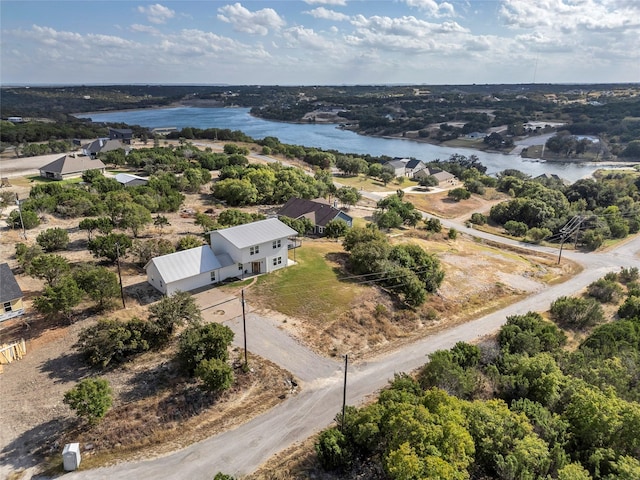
244	449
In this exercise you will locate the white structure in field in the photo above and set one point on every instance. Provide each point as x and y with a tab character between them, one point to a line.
249	249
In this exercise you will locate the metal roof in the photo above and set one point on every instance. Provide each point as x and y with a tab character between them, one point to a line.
254	233
9	288
189	263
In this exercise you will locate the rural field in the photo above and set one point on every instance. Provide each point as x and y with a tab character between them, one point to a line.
316	301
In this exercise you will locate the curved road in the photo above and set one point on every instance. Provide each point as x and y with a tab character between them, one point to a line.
242	450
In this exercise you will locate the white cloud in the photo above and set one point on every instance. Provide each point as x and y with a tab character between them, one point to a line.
341	3
157	13
327	14
259	22
433	8
136	27
305	38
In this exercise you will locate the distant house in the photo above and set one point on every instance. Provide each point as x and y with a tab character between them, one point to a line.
396	167
15	119
129	180
444	178
123	134
69	166
476	135
249	249
318	211
10	294
101	145
163	130
413	166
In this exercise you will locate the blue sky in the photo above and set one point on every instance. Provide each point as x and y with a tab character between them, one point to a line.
320	42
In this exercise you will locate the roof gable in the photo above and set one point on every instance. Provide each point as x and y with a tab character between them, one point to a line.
188	263
254	233
9	288
72	164
319	212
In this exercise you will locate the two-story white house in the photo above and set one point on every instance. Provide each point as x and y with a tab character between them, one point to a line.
249	249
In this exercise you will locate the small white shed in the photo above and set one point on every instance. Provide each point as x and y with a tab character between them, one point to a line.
71	456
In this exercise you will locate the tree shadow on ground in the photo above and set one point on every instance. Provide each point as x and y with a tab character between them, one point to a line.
68	367
29	449
149	382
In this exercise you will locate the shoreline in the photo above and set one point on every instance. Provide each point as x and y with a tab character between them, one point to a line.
208	105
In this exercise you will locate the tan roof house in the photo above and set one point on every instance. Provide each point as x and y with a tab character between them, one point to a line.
69	166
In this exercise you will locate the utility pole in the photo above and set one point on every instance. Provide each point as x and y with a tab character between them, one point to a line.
24	232
119	274
344	393
572	226
244	328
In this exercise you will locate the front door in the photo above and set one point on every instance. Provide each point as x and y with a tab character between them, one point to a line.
255	267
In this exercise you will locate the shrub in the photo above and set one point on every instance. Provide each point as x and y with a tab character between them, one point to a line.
204	342
459	194
333	450
536	234
627	275
453	234
216	375
29	217
433	225
478	218
605	291
576	313
111	341
516	229
90	399
630	308
53	239
189	241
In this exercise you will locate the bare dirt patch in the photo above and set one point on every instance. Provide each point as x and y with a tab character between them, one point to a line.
441	205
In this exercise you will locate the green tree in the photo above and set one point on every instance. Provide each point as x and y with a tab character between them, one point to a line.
336	228
205	221
333	450
49	267
101	224
516	229
110	246
99	283
348	196
161	221
459	194
145	250
135	217
203	342
189	241
433	225
428	181
216	375
452	234
60	299
90	399
29	218
53	239
171	312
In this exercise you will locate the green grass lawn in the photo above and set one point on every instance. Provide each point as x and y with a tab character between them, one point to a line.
310	289
371	184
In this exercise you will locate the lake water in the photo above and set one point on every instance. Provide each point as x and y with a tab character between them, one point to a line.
329	137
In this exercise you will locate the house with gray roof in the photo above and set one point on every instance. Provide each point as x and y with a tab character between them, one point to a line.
250	249
444	178
319	211
123	134
10	294
396	167
102	145
69	166
413	166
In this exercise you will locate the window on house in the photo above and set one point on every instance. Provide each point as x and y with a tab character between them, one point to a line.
213	276
254	250
277	261
277	243
239	266
7	306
